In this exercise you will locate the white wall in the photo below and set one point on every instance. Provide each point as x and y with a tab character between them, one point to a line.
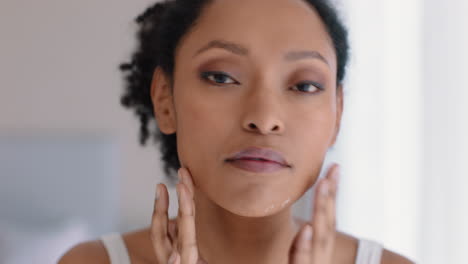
58	67
445	177
404	144
380	145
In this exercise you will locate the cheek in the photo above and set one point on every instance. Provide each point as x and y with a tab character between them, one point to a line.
203	124
317	129
314	124
312	138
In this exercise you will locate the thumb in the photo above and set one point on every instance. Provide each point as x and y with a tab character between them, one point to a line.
301	248
175	258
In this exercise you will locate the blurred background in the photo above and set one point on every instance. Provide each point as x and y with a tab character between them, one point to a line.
71	168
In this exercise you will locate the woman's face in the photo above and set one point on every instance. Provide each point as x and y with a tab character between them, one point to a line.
250	74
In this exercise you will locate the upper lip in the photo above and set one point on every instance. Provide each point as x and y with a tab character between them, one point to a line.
259	153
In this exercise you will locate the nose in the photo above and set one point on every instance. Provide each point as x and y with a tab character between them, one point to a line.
262	114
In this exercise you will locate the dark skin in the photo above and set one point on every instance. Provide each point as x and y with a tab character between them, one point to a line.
284	82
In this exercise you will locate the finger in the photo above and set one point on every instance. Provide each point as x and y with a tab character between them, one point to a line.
162	246
301	249
323	239
186	178
187	245
332	177
173	230
174	259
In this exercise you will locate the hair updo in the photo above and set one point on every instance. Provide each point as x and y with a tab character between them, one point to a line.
161	26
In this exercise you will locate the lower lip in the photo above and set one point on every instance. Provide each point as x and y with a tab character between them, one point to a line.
257	166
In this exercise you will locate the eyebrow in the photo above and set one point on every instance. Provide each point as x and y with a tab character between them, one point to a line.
229	46
304	54
241	50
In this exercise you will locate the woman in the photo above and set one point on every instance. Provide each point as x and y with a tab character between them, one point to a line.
253	91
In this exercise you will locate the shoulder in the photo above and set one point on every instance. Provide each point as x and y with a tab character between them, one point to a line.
138	244
347	247
92	252
389	257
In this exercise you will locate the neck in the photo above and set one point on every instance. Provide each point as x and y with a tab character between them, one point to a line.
224	237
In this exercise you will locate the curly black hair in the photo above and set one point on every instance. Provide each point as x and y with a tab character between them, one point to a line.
161	27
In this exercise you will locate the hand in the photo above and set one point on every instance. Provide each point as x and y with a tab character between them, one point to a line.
315	242
171	245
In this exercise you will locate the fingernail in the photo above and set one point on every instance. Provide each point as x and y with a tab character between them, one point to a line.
178	194
184	204
157	192
336	174
179	174
172	258
324	190
307	233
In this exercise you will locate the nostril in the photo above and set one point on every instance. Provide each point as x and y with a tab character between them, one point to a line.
252	125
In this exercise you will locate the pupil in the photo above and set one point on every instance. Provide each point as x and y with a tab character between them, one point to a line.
303	86
220	78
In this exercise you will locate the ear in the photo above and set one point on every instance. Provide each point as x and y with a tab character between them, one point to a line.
339	112
163	103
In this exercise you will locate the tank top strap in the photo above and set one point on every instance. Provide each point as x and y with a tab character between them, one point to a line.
368	252
116	248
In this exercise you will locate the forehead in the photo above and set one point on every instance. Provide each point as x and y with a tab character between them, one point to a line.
268	28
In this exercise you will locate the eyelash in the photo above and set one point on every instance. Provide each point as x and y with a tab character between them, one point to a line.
316	85
206	76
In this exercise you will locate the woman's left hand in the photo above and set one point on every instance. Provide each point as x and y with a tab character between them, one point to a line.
315	243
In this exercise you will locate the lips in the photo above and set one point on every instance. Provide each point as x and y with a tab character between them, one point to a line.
259	154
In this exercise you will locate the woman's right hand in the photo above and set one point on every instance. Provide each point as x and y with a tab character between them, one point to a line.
175	242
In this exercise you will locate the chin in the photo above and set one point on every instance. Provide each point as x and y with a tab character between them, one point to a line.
256	209
256	212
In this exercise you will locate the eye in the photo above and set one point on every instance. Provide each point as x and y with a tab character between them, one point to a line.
307	87
218	78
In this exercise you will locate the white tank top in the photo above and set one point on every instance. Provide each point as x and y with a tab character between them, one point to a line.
368	252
